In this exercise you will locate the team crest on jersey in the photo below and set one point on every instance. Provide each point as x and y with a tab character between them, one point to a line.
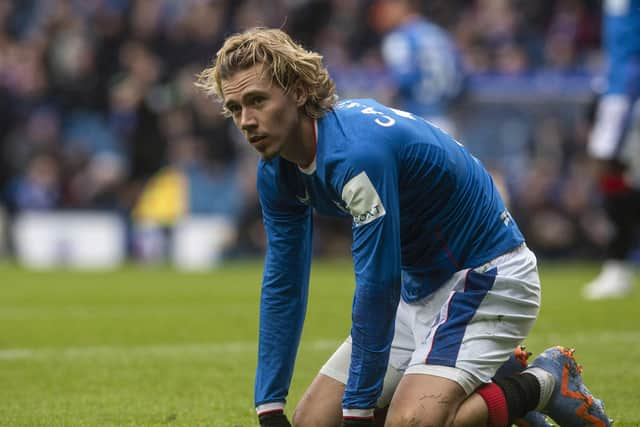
362	200
506	217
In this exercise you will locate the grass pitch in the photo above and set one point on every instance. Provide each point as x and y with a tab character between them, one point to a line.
144	347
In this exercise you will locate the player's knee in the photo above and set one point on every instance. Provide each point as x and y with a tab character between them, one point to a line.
415	417
299	416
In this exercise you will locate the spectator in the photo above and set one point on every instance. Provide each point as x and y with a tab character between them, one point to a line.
615	135
422	60
39	188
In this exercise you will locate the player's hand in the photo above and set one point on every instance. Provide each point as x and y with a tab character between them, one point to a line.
274	419
358	422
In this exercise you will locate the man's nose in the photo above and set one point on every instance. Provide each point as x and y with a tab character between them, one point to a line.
247	120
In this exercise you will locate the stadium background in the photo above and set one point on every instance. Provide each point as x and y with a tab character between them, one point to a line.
98	114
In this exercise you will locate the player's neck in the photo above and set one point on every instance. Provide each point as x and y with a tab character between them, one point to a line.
302	147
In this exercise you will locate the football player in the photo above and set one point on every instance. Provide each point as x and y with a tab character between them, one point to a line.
445	286
615	145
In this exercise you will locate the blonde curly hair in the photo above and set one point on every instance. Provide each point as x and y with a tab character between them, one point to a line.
287	63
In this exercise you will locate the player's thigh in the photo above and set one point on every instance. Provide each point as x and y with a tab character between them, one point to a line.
425	400
321	404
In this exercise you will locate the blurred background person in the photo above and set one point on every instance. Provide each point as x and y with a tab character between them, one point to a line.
190	186
615	146
422	60
39	187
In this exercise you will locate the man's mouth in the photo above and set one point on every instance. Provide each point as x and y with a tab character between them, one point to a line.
256	138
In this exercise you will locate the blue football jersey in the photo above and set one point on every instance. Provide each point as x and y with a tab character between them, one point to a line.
425	66
422	207
622	46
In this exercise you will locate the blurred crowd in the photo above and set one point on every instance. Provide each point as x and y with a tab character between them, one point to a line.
98	108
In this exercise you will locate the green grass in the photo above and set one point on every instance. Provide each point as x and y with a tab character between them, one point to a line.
144	347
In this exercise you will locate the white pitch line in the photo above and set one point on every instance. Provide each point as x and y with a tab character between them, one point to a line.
167	350
16	353
150	350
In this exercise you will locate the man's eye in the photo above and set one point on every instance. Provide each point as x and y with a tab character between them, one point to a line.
258	100
233	109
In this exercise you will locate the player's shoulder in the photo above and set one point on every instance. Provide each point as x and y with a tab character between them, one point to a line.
374	121
353	106
369	113
364	129
272	173
279	184
266	175
266	168
360	122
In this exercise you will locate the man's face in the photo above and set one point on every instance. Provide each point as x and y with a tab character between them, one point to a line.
267	116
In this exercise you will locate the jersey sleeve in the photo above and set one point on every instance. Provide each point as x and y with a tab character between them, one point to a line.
370	192
284	291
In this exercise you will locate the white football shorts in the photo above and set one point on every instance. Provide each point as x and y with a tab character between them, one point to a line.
464	331
614	117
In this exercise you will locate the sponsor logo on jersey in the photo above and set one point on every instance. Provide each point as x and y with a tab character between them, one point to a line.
368	216
362	200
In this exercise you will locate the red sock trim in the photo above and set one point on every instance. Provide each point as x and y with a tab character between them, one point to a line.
496	405
272	411
613	184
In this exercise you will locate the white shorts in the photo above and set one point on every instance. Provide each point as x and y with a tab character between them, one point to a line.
615	116
464	331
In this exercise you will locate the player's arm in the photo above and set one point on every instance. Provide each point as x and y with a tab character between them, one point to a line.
284	292
370	192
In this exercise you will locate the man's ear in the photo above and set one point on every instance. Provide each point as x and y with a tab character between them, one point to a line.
300	95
